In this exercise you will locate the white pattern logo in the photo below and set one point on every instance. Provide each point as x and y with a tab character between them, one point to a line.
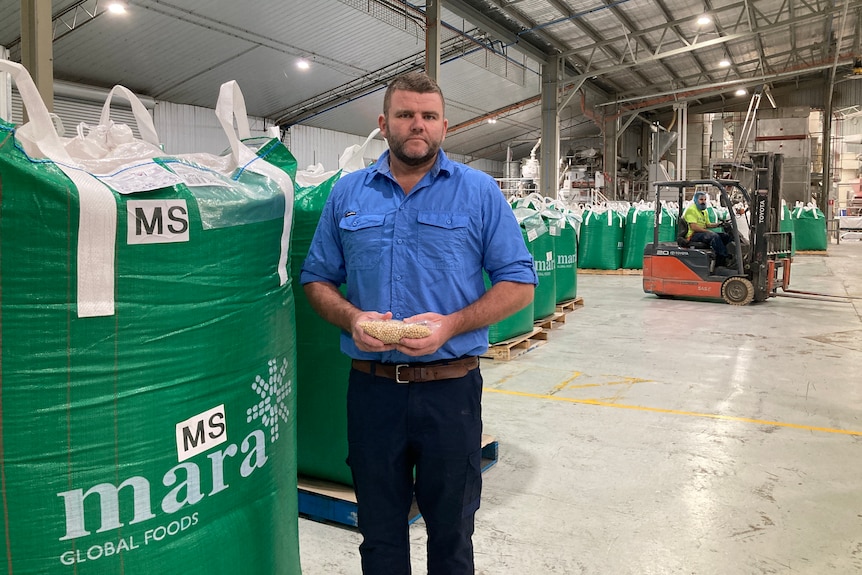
271	408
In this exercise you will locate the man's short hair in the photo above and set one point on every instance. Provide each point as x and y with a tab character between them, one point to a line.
412	82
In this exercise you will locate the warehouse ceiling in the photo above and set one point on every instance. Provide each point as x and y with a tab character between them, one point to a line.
626	59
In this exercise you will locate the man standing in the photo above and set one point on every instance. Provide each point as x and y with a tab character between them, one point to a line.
699	229
410	236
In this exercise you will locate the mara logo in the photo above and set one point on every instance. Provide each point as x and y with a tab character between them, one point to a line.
157	221
544	266
188	482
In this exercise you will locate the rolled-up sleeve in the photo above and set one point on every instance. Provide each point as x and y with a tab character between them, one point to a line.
325	260
506	255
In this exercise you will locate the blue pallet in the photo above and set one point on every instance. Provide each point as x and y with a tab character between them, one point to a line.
329	502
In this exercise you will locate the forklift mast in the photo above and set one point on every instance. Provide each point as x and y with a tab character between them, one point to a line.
765	221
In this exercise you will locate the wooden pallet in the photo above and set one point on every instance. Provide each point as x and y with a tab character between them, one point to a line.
553	321
570	305
514	346
331	502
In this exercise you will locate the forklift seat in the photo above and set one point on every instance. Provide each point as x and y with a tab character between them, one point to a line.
681	241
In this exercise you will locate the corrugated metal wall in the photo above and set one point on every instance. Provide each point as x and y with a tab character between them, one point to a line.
73	112
312	146
187	129
182	129
845	93
495	169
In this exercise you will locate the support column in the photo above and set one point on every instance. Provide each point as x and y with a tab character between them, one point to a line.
5	90
432	39
826	180
681	110
549	151
37	46
610	153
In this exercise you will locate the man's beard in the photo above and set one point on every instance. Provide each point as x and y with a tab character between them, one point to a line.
397	149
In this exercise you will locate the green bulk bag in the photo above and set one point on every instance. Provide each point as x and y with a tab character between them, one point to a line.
518	323
786	225
809	228
554	221
600	243
148	361
552	218
541	246
666	224
566	250
639	230
322	393
714	213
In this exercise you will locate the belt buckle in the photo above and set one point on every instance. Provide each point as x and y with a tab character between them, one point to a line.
398	373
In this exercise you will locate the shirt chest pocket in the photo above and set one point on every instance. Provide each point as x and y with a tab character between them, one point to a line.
443	240
362	237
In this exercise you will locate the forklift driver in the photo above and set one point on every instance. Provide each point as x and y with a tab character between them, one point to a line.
698	223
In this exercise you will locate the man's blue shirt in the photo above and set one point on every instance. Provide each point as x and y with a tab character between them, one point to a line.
416	253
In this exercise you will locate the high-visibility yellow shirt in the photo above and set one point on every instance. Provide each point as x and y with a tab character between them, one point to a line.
692	215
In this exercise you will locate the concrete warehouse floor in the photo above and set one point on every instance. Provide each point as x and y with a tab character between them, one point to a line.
655	436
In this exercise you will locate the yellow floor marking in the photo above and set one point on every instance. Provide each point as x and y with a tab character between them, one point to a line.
624	381
628	382
565	383
673	411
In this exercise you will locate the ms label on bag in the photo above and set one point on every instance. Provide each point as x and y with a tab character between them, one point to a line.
157	221
201	432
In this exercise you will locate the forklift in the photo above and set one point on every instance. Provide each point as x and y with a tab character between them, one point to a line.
760	254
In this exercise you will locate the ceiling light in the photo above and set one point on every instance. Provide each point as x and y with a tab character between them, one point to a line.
724	63
492	120
704	20
741	92
116	8
303	64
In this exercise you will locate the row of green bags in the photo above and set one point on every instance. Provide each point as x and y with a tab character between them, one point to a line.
640	231
551	236
148	351
609	240
555	258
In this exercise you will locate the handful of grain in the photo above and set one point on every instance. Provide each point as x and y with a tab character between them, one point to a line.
392	330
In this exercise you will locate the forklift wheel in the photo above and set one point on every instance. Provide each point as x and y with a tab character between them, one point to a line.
737	291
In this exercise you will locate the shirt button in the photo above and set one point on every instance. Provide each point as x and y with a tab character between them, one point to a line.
398	278
448	221
400	242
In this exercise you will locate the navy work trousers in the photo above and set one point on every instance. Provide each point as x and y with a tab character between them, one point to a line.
717	241
432	429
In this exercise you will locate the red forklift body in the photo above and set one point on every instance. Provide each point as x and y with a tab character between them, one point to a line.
675	271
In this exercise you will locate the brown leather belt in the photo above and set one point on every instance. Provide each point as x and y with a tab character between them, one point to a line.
418	372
